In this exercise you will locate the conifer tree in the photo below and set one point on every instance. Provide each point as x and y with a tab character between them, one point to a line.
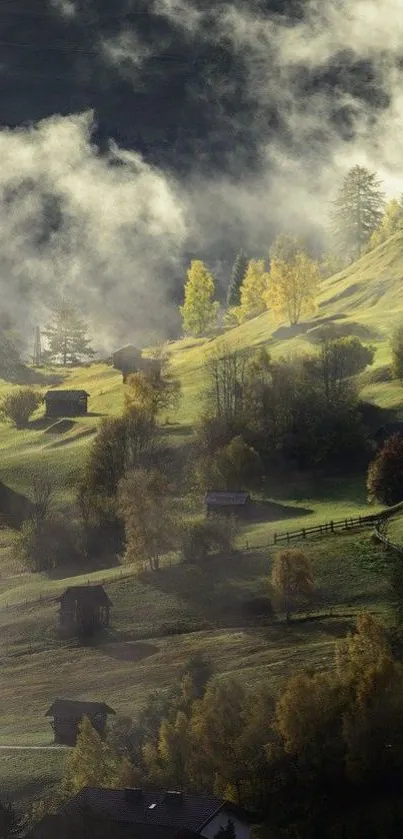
252	290
199	311
357	212
237	276
67	334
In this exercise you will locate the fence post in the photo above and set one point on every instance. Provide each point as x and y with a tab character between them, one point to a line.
303	533
288	538
332	526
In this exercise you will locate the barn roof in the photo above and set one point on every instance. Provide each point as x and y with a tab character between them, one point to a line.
220	498
99	827
129	348
186	811
75	709
65	395
88	594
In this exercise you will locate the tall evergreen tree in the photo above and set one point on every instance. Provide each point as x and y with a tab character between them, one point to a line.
67	334
237	276
357	212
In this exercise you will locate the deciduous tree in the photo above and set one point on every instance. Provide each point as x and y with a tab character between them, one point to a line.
148	511
391	223
292	287
385	473
252	290
292	578
199	311
155	390
357	212
94	763
397	353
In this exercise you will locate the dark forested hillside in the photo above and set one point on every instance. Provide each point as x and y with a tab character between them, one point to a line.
167	78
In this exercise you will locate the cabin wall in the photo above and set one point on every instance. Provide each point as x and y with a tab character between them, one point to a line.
242	830
65	409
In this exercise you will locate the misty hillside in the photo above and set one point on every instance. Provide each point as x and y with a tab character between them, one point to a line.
136	138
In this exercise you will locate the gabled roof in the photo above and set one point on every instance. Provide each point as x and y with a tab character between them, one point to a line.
129	349
226	498
73	709
66	395
191	812
65	827
87	594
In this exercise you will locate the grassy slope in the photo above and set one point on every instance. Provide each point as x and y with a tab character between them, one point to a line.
141	654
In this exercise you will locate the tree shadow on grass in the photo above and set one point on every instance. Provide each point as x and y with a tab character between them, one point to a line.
266	511
134	651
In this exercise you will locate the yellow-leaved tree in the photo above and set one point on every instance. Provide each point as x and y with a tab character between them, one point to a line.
293	281
292	578
93	762
252	291
199	310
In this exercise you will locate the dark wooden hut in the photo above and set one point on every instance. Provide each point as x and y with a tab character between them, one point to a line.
226	502
66	403
68	713
84	609
128	360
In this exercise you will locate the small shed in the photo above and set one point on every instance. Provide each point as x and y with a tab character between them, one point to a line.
66	403
68	713
84	609
227	502
128	360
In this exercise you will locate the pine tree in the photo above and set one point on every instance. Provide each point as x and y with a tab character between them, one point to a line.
357	212
252	290
199	311
67	335
238	273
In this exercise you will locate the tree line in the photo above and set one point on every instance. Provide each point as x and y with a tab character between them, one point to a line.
322	757
287	284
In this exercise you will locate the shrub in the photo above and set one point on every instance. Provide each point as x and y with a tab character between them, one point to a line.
397	353
18	406
203	537
385	473
46	544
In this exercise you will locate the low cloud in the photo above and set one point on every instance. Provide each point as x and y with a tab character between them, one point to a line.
108	230
117	233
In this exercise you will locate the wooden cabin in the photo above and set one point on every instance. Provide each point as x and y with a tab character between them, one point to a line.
66	403
128	360
226	503
84	609
68	713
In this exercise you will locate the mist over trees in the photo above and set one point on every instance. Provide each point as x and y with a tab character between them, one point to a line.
357	212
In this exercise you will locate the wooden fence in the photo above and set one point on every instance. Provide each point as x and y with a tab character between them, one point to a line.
328	527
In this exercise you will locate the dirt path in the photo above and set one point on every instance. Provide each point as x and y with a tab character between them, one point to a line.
35	748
